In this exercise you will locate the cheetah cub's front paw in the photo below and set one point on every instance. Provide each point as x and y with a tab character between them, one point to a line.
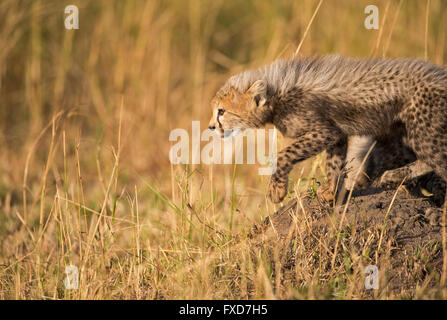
277	190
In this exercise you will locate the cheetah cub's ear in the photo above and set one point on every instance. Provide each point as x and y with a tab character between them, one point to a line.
258	91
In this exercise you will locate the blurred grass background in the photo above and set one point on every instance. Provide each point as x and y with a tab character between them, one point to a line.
85	117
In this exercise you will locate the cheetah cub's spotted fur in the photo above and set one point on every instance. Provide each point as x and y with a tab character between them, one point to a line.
321	101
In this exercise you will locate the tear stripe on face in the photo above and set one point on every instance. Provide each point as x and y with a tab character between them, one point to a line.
218	122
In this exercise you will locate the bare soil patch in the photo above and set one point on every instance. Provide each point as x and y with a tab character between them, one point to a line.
402	237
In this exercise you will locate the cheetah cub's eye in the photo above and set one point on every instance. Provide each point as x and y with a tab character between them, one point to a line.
220	112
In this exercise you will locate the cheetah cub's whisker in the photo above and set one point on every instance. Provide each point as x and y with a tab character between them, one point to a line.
321	101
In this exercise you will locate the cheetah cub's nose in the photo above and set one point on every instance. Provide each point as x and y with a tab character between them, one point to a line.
212	127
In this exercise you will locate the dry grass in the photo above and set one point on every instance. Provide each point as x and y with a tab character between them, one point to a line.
85	117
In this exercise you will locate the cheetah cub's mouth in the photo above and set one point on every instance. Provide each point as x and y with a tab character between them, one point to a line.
228	134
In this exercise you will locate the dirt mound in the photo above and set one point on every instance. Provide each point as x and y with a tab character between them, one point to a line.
394	230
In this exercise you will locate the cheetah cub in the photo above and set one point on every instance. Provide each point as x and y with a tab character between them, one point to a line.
321	101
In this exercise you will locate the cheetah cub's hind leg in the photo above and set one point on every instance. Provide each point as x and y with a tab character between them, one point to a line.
428	132
438	188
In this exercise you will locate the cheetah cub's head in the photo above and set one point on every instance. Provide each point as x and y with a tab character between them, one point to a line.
234	111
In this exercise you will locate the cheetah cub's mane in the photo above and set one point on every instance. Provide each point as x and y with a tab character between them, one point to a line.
324	74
